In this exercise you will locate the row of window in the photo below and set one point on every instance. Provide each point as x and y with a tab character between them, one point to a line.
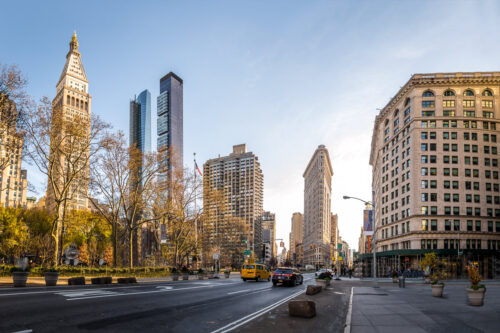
454	124
469	211
451	244
449	93
466	103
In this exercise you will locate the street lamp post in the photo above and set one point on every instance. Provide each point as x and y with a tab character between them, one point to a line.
375	282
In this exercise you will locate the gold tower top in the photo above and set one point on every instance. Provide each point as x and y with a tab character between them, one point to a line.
73	45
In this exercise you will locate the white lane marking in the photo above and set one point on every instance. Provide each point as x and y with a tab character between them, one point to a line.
25	331
347	328
136	293
239	291
237	323
164	287
84	293
336	292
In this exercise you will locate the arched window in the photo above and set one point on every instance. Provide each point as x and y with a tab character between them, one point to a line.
77	103
86	106
396	113
468	92
407	101
487	92
68	100
449	93
386	122
72	101
428	93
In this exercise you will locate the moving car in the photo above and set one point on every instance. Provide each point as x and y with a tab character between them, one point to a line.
253	271
287	276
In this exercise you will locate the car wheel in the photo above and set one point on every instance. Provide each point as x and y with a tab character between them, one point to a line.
244	280
257	279
302	280
274	284
268	279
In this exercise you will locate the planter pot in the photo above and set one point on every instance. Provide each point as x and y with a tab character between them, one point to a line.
226	275
51	278
200	276
476	297
20	278
175	277
427	280
437	290
322	283
185	276
211	275
394	280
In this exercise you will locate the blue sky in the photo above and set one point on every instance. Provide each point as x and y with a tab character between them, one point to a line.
280	76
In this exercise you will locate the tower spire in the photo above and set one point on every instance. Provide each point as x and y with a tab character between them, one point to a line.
73	45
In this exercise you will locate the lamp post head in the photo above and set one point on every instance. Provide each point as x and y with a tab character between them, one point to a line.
346	197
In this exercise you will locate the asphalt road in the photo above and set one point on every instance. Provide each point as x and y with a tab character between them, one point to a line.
180	306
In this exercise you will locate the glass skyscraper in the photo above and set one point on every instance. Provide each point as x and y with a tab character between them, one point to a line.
140	122
170	123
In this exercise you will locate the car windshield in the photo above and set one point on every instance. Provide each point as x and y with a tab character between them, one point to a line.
248	266
283	271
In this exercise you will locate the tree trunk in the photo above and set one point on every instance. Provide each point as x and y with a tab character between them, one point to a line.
131	248
115	245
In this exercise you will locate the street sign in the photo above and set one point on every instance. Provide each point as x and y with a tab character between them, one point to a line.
247	252
216	256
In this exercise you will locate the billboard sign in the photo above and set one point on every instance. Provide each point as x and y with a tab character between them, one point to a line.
163	238
368	222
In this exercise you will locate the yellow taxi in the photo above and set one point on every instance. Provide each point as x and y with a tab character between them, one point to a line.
253	271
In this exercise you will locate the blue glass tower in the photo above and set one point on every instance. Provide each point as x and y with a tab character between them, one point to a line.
169	122
140	122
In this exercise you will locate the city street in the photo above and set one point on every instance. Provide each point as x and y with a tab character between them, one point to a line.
181	306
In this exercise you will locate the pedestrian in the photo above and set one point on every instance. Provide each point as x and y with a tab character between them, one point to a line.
350	273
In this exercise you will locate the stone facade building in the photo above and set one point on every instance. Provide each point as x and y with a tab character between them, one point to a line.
436	175
268	226
295	236
317	209
71	104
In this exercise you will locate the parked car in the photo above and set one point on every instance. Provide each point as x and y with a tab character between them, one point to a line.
287	276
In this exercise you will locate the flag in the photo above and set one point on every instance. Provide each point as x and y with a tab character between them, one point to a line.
197	169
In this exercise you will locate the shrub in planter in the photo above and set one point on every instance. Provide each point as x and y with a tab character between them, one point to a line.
476	291
227	273
20	276
51	276
174	273
436	269
201	273
324	279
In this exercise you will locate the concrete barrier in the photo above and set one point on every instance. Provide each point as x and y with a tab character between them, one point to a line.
76	281
304	309
312	290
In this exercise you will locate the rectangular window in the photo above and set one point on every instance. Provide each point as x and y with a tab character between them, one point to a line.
434	225
478	226
487	114
428	113
469	225
468	103
487	104
427	104
469	114
425	225
448	113
447	225
456	225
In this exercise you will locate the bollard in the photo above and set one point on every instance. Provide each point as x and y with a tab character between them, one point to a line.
401	282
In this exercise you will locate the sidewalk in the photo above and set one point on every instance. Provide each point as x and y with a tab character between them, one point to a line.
413	309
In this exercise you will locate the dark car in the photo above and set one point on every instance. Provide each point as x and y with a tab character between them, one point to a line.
287	276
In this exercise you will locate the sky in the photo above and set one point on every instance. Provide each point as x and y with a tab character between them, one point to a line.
281	76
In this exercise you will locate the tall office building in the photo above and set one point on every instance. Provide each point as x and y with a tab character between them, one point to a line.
317	209
268	225
169	122
435	173
72	102
140	122
295	235
13	180
238	179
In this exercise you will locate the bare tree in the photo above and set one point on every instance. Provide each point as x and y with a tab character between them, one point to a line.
60	148
179	212
109	179
138	197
